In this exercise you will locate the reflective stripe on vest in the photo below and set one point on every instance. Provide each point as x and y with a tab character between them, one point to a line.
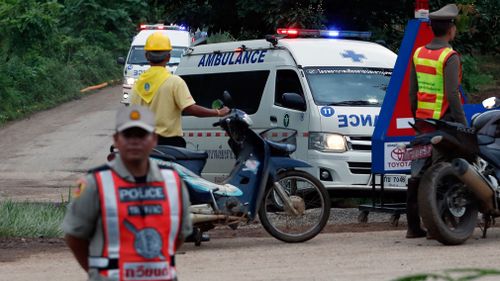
429	67
141	223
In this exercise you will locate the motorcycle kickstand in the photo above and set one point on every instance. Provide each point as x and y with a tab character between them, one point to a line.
487	223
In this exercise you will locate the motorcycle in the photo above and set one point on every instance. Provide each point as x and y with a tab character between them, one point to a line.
452	192
292	205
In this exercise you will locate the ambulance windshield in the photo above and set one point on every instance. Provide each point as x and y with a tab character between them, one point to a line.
137	55
348	86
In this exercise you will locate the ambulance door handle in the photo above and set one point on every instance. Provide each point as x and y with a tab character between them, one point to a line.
273	119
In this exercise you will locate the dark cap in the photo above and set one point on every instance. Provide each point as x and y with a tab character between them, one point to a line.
447	13
135	116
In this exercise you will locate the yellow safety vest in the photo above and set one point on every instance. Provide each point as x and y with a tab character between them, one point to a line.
429	67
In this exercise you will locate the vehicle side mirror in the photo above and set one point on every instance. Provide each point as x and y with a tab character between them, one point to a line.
491	103
294	101
120	60
227	99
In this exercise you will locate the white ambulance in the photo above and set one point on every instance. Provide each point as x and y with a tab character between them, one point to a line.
328	88
136	62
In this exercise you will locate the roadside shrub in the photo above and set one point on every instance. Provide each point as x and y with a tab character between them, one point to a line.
94	65
33	83
473	78
220	37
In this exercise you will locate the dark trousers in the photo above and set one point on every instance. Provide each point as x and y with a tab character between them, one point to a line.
173	141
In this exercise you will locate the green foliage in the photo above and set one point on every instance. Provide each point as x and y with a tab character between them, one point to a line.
51	48
220	37
473	78
21	219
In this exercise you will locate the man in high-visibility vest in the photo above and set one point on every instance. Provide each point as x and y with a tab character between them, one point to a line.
129	216
435	78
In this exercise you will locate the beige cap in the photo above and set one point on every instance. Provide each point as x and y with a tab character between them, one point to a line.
135	116
447	13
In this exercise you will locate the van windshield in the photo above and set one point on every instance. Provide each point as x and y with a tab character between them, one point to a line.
348	86
138	55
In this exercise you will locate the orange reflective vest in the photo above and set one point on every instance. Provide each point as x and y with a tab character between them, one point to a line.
429	68
141	223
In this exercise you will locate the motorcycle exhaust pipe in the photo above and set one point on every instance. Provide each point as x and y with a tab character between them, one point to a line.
200	218
477	185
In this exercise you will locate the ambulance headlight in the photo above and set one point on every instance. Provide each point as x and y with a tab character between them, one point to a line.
130	81
327	142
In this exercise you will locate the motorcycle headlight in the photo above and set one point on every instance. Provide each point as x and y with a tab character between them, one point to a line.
130	81
125	96
327	142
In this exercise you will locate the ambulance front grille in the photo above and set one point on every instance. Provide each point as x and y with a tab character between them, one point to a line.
360	167
360	143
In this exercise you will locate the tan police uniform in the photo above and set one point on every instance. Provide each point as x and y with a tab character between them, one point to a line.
455	113
83	217
452	70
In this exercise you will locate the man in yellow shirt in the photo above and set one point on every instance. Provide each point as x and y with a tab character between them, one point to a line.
167	95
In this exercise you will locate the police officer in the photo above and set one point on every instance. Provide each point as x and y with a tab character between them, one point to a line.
165	94
434	93
129	216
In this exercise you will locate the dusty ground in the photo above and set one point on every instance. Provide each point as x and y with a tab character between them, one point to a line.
42	156
330	256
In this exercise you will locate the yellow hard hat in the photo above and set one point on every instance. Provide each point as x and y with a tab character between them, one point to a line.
158	42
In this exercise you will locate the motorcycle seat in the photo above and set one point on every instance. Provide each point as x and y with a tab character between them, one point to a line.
491	152
180	153
278	148
484	139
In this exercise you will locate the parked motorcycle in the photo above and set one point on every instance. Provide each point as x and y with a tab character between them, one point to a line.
292	205
453	191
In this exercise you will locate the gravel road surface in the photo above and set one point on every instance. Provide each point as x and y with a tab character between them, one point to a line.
43	155
369	256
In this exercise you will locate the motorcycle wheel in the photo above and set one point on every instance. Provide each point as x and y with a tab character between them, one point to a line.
309	197
449	211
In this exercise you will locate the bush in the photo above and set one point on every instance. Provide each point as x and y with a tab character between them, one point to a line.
474	79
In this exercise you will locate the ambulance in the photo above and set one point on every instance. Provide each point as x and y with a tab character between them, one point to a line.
136	62
328	85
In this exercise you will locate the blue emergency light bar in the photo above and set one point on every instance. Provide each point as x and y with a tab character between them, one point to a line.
300	33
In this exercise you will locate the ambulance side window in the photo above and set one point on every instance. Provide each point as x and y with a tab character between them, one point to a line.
246	88
287	81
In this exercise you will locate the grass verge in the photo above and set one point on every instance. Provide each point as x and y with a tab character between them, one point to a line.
27	219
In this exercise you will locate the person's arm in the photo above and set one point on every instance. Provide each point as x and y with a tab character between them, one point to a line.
80	249
413	89
451	87
186	103
80	219
200	111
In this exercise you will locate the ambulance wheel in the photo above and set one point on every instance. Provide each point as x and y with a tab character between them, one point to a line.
310	212
363	217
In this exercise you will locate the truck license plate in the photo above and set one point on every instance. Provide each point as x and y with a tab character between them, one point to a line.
417	152
395	180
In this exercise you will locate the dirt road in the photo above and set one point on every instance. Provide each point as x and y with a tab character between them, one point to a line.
43	155
369	256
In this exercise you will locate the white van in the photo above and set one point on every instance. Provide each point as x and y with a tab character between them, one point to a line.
136	62
328	89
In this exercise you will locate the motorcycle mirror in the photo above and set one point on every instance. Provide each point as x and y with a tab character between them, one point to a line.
217	104
228	100
492	102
